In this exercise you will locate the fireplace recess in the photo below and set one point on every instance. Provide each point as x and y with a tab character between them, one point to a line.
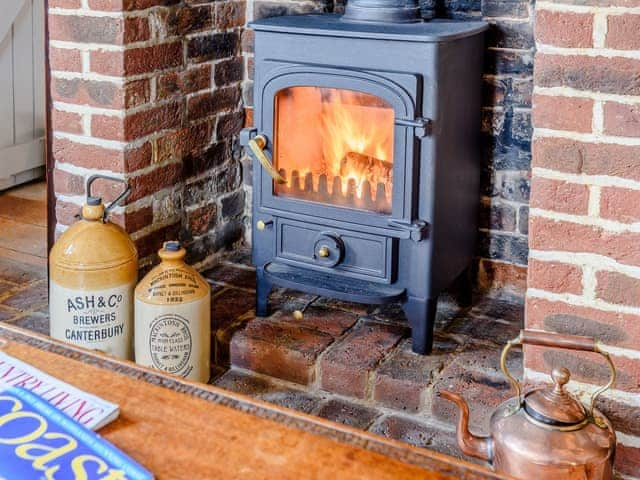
365	151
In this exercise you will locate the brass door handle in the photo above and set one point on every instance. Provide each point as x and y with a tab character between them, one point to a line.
257	145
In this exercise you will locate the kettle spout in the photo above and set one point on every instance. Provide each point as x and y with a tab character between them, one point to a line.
470	444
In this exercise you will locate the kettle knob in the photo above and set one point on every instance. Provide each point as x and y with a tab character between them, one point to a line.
560	378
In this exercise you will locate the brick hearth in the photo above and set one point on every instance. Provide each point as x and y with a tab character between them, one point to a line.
343	362
346	362
354	364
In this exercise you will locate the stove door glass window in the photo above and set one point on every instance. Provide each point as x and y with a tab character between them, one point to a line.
334	146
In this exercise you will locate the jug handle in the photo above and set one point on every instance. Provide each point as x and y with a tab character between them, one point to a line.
125	193
557	340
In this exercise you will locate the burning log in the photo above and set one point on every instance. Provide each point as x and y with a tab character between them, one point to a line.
369	167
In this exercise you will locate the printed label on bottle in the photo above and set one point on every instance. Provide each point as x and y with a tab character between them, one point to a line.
96	319
173	286
170	344
175	339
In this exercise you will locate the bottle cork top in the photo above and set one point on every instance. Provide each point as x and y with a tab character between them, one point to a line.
172	251
93	211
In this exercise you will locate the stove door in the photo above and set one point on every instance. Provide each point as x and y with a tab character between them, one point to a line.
334	146
341	144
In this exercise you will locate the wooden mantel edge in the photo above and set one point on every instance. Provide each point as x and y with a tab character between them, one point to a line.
336	431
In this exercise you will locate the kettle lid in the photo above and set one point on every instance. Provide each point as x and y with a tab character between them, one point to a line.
554	406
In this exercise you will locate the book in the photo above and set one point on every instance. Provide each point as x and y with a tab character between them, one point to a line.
38	441
88	410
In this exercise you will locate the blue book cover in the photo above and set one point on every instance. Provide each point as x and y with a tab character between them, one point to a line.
39	442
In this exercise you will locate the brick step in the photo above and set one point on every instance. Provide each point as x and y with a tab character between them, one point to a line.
353	363
420	431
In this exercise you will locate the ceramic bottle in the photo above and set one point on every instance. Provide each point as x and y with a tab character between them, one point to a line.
172	317
93	269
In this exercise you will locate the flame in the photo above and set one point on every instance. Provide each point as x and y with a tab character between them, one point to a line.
337	133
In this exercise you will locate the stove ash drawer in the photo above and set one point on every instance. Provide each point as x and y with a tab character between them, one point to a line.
354	254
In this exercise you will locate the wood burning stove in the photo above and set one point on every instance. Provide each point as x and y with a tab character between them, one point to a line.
366	159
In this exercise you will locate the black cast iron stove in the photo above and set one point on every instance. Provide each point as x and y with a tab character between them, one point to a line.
366	159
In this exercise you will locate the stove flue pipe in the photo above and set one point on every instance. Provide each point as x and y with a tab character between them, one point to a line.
382	11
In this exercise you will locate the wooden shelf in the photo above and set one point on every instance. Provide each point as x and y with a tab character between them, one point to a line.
180	429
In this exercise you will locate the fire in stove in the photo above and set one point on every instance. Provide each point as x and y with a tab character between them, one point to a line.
337	146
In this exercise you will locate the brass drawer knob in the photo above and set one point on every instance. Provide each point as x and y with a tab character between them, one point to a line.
324	252
262	225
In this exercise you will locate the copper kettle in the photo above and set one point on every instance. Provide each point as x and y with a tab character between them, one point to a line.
547	433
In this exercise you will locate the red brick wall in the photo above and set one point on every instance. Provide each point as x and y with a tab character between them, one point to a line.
584	233
150	91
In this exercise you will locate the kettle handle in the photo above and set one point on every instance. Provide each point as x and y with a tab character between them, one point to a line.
125	193
557	340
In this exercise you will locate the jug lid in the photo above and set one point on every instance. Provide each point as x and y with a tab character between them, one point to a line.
172	251
554	406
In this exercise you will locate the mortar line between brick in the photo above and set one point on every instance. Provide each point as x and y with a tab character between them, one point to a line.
589	52
495	20
574	92
600	27
581	301
582	388
139	204
123	79
601	262
513	233
326	396
209	261
317	371
230	286
628	440
240	266
593	209
126	145
503	201
119	47
153	227
429	392
85	11
586	179
373	373
118	111
566	7
586	220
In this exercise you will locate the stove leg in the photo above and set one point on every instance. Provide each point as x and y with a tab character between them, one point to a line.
422	318
263	288
463	286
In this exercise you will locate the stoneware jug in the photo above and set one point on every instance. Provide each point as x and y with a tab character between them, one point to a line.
173	317
547	433
93	269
